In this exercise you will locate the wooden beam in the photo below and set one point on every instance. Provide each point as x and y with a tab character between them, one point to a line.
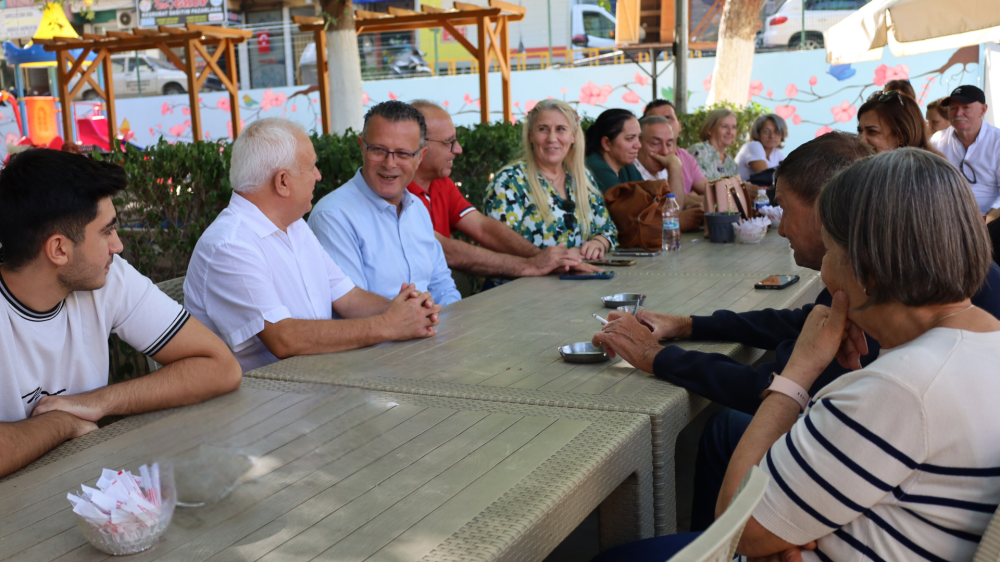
109	99
78	63
234	100
461	39
504	32
484	86
495	48
86	76
211	64
323	76
307	20
466	7
401	12
367	15
172	56
216	31
432	9
508	7
121	35
64	99
193	104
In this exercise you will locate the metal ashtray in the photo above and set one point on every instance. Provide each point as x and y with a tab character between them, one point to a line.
621	299
583	352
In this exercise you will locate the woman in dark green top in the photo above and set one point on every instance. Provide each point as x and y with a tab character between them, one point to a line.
612	146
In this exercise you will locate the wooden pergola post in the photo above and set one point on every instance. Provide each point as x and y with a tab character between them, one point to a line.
493	41
193	40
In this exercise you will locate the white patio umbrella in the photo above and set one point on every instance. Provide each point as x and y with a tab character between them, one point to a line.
911	27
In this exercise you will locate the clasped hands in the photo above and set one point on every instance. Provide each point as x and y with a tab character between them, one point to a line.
413	313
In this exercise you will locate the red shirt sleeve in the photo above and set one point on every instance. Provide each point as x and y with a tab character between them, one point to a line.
456	204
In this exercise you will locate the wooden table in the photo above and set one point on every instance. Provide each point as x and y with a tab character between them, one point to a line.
347	474
501	345
772	256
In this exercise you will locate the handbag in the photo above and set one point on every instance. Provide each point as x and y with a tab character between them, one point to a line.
636	209
729	194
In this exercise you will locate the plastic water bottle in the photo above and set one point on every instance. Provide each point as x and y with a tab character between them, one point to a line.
671	224
761	201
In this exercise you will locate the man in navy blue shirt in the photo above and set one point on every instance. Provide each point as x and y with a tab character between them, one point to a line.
799	180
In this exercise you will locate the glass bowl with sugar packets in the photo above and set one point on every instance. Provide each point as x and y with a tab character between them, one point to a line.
751	231
127	512
772	213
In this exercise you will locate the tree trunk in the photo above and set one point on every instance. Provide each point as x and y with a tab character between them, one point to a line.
346	107
734	57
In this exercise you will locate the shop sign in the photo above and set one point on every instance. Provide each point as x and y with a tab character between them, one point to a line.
179	12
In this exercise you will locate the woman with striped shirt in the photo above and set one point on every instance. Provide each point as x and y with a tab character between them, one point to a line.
899	460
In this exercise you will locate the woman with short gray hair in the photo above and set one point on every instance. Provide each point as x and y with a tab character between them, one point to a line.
764	149
899	460
716	134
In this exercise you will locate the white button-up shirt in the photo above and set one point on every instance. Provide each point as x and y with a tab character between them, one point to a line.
647	175
380	248
245	271
982	162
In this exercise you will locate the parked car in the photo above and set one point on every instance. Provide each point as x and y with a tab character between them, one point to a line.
156	78
783	28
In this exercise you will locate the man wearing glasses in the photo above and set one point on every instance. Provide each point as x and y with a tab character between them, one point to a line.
379	233
972	145
501	251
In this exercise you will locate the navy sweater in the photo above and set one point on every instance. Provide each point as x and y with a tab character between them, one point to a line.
735	385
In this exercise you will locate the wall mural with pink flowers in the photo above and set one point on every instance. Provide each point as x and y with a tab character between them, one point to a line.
811	95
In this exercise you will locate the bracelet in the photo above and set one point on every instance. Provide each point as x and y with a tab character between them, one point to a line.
788	387
594	239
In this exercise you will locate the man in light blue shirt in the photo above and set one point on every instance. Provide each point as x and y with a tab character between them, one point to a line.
379	233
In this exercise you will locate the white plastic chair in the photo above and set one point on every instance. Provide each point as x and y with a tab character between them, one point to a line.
718	542
173	288
989	547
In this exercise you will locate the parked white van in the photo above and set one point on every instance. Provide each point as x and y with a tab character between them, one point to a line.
783	28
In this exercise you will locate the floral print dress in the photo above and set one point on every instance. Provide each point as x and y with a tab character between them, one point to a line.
708	161
509	200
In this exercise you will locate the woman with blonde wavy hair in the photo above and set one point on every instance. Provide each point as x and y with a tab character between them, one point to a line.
539	195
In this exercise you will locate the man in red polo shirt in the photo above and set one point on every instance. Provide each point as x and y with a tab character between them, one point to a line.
502	252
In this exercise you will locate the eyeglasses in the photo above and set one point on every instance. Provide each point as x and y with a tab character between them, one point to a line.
450	143
961	166
883	97
377	154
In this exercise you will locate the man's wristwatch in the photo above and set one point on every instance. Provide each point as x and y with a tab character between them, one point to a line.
789	388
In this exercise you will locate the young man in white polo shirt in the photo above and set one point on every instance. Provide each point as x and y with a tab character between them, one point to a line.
972	145
260	279
63	291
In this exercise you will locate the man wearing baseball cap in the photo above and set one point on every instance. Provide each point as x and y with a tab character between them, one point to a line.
972	145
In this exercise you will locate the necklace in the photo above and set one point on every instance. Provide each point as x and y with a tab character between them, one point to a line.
946	316
550	180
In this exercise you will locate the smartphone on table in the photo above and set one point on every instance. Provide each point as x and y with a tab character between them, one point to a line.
588	275
777	282
611	263
636	253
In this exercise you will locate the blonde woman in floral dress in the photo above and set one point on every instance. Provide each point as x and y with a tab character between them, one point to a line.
538	195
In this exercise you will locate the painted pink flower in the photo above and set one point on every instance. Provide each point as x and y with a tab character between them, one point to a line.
186	110
756	87
517	104
885	73
165	109
223	104
229	126
796	119
791	90
592	94
152	132
159	125
11	138
813	80
562	90
294	108
364	98
393	96
529	105
187	123
445	103
770	93
784	111
177	130
707	83
549	98
200	99
844	112
641	79
631	97
208	135
823	130
270	99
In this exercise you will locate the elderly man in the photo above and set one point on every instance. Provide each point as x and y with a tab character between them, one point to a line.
260	279
799	182
64	291
972	145
694	179
504	252
376	230
657	158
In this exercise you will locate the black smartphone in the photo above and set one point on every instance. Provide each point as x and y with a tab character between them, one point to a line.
583	276
777	282
611	263
636	253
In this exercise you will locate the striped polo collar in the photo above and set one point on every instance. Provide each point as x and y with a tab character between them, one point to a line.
25	312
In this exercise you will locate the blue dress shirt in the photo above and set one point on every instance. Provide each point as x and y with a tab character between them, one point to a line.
378	248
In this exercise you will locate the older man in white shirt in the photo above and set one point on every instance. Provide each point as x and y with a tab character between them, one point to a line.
972	145
259	277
